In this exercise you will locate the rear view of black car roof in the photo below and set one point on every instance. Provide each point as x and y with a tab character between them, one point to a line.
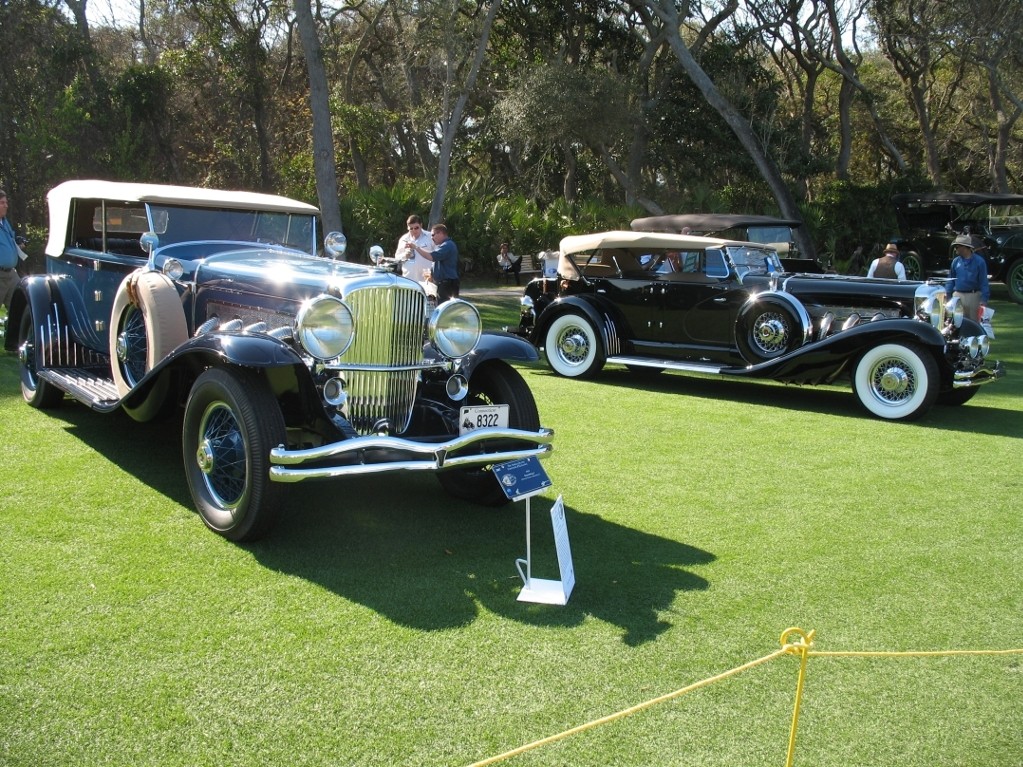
705	222
956	198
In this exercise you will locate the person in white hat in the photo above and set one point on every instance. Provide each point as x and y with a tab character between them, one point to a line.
888	265
967	278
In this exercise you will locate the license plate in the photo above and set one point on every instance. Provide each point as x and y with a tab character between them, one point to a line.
481	416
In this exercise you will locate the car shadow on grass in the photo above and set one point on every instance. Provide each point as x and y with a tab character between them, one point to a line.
401	546
836	399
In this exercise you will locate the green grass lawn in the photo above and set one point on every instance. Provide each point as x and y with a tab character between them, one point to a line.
379	625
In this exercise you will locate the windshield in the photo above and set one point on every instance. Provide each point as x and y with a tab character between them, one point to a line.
753	260
1006	216
177	224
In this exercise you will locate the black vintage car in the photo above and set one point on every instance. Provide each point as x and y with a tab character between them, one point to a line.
678	302
289	366
930	221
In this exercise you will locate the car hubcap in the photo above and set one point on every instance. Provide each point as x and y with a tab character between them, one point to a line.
574	346
771	333
132	347
204	457
221	456
892	382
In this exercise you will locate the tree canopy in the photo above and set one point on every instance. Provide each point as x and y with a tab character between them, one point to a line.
756	106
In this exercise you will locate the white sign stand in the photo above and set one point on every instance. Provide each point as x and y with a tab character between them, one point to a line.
542	591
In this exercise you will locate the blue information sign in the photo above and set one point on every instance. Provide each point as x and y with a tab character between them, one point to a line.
522	477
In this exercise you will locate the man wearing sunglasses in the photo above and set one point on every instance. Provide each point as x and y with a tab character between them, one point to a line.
412	249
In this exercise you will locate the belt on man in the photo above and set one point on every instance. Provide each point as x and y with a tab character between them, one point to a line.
966	292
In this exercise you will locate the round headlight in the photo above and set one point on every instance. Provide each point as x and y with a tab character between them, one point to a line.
985	345
932	311
455	328
325	327
375	254
955	308
335	243
173	268
973	345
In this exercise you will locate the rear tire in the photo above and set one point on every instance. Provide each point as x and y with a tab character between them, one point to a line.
495	383
913	265
1014	280
37	393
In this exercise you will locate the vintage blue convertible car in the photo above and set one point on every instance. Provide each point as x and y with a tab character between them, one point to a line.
289	365
654	301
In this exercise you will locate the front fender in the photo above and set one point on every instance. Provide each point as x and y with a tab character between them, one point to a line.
223	350
501	346
604	318
823	361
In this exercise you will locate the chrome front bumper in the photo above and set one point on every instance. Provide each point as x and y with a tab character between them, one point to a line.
982	375
378	454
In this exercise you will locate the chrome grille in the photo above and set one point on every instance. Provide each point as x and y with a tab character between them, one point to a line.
389	332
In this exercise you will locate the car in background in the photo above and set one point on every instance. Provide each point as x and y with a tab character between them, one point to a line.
728	308
766	230
930	221
288	366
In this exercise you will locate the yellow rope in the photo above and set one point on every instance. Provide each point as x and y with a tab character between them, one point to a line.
907	653
628	711
802	647
794	641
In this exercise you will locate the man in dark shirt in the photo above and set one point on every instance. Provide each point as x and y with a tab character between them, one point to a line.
967	278
445	263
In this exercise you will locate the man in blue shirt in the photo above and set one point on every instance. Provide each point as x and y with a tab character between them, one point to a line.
445	263
968	277
9	252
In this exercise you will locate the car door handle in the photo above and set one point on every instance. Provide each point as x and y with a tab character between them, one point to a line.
720	300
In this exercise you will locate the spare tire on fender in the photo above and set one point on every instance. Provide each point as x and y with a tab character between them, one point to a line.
770	325
147	323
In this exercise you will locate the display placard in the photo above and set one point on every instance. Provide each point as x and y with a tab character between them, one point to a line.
521	478
545	591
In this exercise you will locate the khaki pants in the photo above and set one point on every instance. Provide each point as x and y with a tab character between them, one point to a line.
971	304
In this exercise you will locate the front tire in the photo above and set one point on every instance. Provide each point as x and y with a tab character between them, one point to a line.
36	392
495	383
232	421
897	382
573	347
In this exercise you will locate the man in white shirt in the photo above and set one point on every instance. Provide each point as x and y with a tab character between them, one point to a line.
411	247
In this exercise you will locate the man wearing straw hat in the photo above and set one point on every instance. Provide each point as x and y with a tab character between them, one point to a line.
967	278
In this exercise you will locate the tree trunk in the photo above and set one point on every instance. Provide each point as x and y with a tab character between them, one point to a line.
739	125
323	136
455	117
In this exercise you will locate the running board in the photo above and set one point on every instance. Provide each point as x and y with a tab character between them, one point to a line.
663	364
91	389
